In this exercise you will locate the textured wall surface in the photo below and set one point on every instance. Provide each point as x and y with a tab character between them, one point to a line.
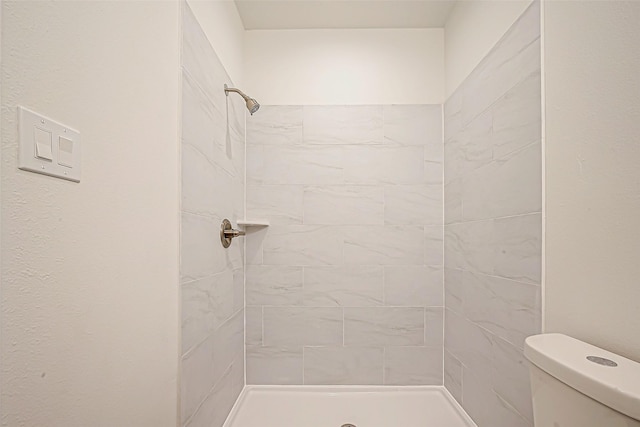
492	247
212	278
90	269
593	208
345	286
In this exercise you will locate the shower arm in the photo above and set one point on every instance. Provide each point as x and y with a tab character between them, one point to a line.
228	89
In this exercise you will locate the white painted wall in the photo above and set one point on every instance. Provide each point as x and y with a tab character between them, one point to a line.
472	29
90	271
592	175
345	67
221	23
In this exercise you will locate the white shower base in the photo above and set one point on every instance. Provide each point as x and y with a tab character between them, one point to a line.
331	406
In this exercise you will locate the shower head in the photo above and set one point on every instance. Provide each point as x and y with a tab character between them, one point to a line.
252	104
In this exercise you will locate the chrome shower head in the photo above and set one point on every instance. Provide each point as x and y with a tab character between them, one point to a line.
252	104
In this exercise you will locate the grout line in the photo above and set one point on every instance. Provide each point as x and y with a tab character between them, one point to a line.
179	375
262	326
443	243
543	146
384	365
494	218
244	258
343	326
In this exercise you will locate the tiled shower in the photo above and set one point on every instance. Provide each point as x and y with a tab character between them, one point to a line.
493	228
211	277
345	286
403	246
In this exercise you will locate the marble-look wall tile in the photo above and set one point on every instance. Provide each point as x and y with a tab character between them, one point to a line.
433	252
452	111
228	343
203	122
303	245
517	117
345	286
413	124
412	286
516	56
496	189
360	125
413	366
253	325
413	204
344	205
280	125
485	406
274	365
433	170
315	165
216	406
492	82
453	201
200	60
453	376
212	278
299	326
470	148
383	165
518	248
506	247
493	231
383	326
509	309
204	184
253	244
282	204
367	233
205	365
510	377
390	245
197	377
434	326
469	246
255	165
274	285
454	295
201	254
206	128
206	304
343	365
469	343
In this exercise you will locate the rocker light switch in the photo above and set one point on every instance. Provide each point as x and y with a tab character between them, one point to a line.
42	140
65	152
48	147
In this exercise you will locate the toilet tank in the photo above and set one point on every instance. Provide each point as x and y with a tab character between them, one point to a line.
575	384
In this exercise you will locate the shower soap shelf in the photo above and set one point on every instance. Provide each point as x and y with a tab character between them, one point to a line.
253	222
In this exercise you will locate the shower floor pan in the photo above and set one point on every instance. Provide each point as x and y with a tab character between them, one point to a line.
331	406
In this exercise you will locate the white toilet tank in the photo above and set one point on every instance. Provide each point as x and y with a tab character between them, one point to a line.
575	384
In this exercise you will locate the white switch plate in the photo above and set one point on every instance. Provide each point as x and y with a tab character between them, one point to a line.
64	165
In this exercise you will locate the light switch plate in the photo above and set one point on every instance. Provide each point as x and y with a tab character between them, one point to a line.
66	164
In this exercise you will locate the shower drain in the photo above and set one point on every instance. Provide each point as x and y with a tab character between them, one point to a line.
348	425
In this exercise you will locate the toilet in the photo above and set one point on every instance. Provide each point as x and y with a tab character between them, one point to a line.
575	384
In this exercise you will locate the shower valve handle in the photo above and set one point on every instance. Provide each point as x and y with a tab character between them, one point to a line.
227	233
233	233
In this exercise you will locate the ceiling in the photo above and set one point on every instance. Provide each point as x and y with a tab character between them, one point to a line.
307	14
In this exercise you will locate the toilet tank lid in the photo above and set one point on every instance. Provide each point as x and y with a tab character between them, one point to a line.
565	358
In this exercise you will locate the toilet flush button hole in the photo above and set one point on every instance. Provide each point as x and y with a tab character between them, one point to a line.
602	361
